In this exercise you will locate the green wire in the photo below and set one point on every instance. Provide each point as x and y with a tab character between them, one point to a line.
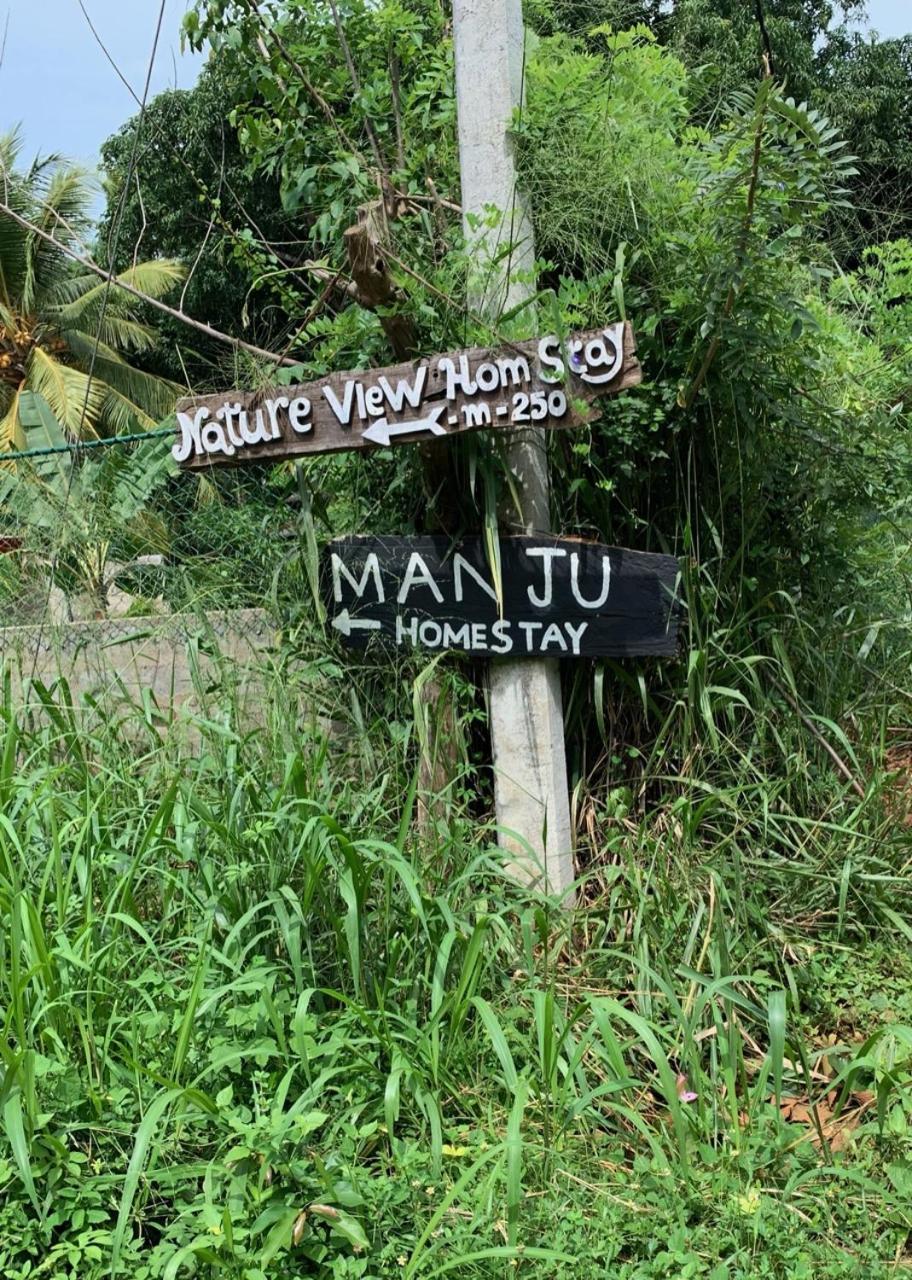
157	434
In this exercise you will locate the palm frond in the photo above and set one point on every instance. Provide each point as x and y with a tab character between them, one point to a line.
38	172
12	256
76	285
12	184
155	277
116	332
81	299
152	395
10	149
11	436
155	396
75	401
63	214
66	200
122	416
95	320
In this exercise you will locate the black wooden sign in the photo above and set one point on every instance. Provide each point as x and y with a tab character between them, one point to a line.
562	597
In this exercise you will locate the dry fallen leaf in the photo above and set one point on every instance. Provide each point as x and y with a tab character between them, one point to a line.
835	1129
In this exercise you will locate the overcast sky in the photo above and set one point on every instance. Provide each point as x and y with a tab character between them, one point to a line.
890	17
56	83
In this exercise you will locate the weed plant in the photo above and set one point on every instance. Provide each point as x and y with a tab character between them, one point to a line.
260	1022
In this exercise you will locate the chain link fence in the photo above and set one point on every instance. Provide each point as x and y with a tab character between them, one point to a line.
181	604
119	573
110	530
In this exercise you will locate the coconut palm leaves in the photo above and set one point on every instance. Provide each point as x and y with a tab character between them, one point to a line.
66	335
98	516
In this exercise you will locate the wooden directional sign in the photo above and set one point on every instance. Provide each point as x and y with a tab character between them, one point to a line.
545	382
562	597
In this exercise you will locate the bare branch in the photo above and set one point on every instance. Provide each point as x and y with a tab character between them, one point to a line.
397	106
5	34
181	159
209	229
145	221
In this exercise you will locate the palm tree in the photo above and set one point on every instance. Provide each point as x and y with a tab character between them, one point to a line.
58	326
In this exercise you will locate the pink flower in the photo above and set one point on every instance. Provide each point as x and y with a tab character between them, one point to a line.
684	1094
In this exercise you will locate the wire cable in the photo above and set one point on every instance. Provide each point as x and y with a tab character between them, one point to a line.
181	159
112	258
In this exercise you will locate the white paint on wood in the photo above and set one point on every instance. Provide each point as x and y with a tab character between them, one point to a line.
359	586
417	574
575	583
622	601
443	395
548	554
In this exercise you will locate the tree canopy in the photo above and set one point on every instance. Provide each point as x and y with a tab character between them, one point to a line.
194	197
65	334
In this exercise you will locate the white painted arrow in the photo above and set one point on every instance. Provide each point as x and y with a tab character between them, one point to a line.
345	623
381	431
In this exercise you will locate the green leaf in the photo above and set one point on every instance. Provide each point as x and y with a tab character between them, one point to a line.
498	1041
14	1125
135	1168
352	1231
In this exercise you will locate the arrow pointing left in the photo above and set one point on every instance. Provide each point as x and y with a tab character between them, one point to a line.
345	623
381	431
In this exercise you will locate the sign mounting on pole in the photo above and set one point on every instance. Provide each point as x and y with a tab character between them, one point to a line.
531	792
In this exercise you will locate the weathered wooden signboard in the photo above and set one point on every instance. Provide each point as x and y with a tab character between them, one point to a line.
545	382
562	597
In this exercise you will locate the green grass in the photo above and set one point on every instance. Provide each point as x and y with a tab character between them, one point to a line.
254	1027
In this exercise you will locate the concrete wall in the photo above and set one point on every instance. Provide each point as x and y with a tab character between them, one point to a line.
175	657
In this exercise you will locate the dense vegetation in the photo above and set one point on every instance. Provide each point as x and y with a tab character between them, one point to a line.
271	1011
258	1026
193	198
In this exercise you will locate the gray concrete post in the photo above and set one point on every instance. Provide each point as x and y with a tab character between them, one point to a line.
527	729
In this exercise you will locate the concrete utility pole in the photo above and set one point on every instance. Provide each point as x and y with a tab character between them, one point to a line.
527	727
